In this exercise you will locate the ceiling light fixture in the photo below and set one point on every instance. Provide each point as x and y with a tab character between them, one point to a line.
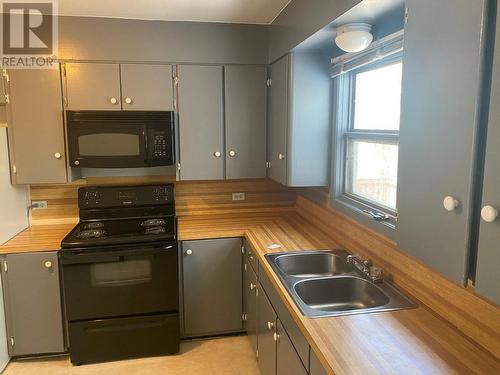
354	37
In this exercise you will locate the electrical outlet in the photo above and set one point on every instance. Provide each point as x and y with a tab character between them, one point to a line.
238	196
39	205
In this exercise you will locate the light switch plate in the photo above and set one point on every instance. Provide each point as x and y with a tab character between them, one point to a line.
238	196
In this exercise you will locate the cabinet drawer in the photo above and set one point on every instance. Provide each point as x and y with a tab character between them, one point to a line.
252	258
297	338
95	341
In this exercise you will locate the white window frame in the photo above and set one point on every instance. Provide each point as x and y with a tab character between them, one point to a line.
366	210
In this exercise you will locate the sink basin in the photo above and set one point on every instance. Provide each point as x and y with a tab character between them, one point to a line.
340	294
312	264
322	283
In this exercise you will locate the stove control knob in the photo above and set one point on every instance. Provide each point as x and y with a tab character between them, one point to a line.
48	264
189	252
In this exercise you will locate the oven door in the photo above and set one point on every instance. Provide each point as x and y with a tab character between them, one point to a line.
112	144
120	281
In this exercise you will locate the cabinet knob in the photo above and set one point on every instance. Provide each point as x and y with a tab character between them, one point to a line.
128	100
48	264
489	214
281	156
113	100
270	325
76	162
450	203
276	337
189	252
232	153
57	155
217	154
252	286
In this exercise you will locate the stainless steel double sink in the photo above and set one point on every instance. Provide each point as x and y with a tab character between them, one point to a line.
323	283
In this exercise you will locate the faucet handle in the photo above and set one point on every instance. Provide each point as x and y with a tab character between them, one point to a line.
375	274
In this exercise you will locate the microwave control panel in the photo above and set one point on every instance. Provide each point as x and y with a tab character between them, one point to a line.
160	146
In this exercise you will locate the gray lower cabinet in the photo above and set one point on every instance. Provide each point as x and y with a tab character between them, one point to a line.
487	279
245	121
36	130
299	120
441	86
200	104
212	286
32	299
315	366
266	333
147	87
287	360
92	86
250	303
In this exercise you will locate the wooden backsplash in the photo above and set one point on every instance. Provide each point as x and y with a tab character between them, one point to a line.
471	314
191	198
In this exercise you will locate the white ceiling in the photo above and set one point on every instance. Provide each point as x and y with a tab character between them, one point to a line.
233	11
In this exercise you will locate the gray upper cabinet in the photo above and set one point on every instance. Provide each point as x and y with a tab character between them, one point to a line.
299	120
36	131
212	284
33	303
488	256
200	122
147	87
245	116
266	333
442	66
278	119
92	86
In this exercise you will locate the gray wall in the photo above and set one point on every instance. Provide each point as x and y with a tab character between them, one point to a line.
300	19
87	38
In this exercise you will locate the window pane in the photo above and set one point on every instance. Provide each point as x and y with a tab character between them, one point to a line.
371	171
378	97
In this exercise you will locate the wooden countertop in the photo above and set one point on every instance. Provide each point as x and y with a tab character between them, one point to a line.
412	341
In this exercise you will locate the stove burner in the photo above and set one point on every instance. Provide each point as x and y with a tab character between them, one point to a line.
153	223
91	233
154	230
93	225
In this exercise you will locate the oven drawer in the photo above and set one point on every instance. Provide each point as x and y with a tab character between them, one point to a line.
121	338
122	281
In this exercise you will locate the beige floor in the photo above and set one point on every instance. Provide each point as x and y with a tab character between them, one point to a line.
221	356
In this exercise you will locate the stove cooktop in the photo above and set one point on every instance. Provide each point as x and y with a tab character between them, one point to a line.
122	231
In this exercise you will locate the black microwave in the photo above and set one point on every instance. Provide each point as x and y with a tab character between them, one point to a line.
120	139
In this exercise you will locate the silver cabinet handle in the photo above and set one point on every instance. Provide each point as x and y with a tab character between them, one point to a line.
232	153
276	336
113	100
48	264
57	155
128	100
270	325
189	252
217	154
281	156
252	286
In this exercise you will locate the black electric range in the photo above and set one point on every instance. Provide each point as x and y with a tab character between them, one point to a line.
120	274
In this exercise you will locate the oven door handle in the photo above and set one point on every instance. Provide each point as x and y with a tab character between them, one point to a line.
85	257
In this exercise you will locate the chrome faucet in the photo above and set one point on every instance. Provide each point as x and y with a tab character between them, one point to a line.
365	266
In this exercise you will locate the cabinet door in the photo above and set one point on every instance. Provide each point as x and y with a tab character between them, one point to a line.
93	86
488	256
266	329
316	368
212	285
288	361
147	87
250	303
200	122
33	303
245	106
440	101
36	131
278	119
